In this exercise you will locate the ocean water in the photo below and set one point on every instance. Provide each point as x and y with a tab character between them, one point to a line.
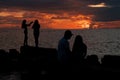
99	41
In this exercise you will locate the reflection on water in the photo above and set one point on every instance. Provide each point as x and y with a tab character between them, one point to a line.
99	41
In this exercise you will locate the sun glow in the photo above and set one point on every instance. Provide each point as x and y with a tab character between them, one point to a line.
70	22
47	20
85	24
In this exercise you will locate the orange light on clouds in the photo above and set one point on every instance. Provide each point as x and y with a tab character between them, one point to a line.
67	21
14	14
110	24
53	21
8	25
84	23
69	24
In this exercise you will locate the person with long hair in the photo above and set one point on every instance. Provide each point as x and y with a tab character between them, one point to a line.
36	32
79	49
24	26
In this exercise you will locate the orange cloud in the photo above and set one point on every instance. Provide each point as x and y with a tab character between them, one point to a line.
110	24
67	21
53	21
14	14
60	21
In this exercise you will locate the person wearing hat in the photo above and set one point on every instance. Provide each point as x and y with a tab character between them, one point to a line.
63	50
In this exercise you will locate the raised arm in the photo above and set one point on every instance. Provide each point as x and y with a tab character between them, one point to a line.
30	23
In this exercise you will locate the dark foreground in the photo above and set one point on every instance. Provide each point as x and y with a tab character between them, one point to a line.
41	63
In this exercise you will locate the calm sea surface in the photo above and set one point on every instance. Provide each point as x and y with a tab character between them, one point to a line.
99	41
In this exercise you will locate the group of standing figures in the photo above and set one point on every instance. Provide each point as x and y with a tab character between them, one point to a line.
35	27
79	49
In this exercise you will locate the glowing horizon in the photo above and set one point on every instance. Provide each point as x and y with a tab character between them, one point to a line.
53	21
61	14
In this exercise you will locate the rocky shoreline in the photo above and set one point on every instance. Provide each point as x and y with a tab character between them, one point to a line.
32	62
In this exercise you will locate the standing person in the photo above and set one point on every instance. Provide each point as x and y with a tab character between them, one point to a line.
36	27
79	49
64	48
24	26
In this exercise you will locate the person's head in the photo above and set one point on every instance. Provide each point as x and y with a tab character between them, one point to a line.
78	39
36	21
68	34
24	21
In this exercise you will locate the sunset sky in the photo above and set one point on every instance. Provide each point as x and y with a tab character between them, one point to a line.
61	14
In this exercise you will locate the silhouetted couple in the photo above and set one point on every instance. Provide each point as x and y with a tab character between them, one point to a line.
78	52
35	27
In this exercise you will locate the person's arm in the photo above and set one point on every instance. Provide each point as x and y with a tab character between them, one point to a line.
30	23
68	48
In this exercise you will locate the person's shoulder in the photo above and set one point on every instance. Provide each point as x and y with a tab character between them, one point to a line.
84	45
62	40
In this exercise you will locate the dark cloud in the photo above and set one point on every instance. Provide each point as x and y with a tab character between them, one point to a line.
114	3
70	6
112	14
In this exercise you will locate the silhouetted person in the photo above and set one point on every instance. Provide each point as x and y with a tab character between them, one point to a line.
64	48
36	27
24	26
79	49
